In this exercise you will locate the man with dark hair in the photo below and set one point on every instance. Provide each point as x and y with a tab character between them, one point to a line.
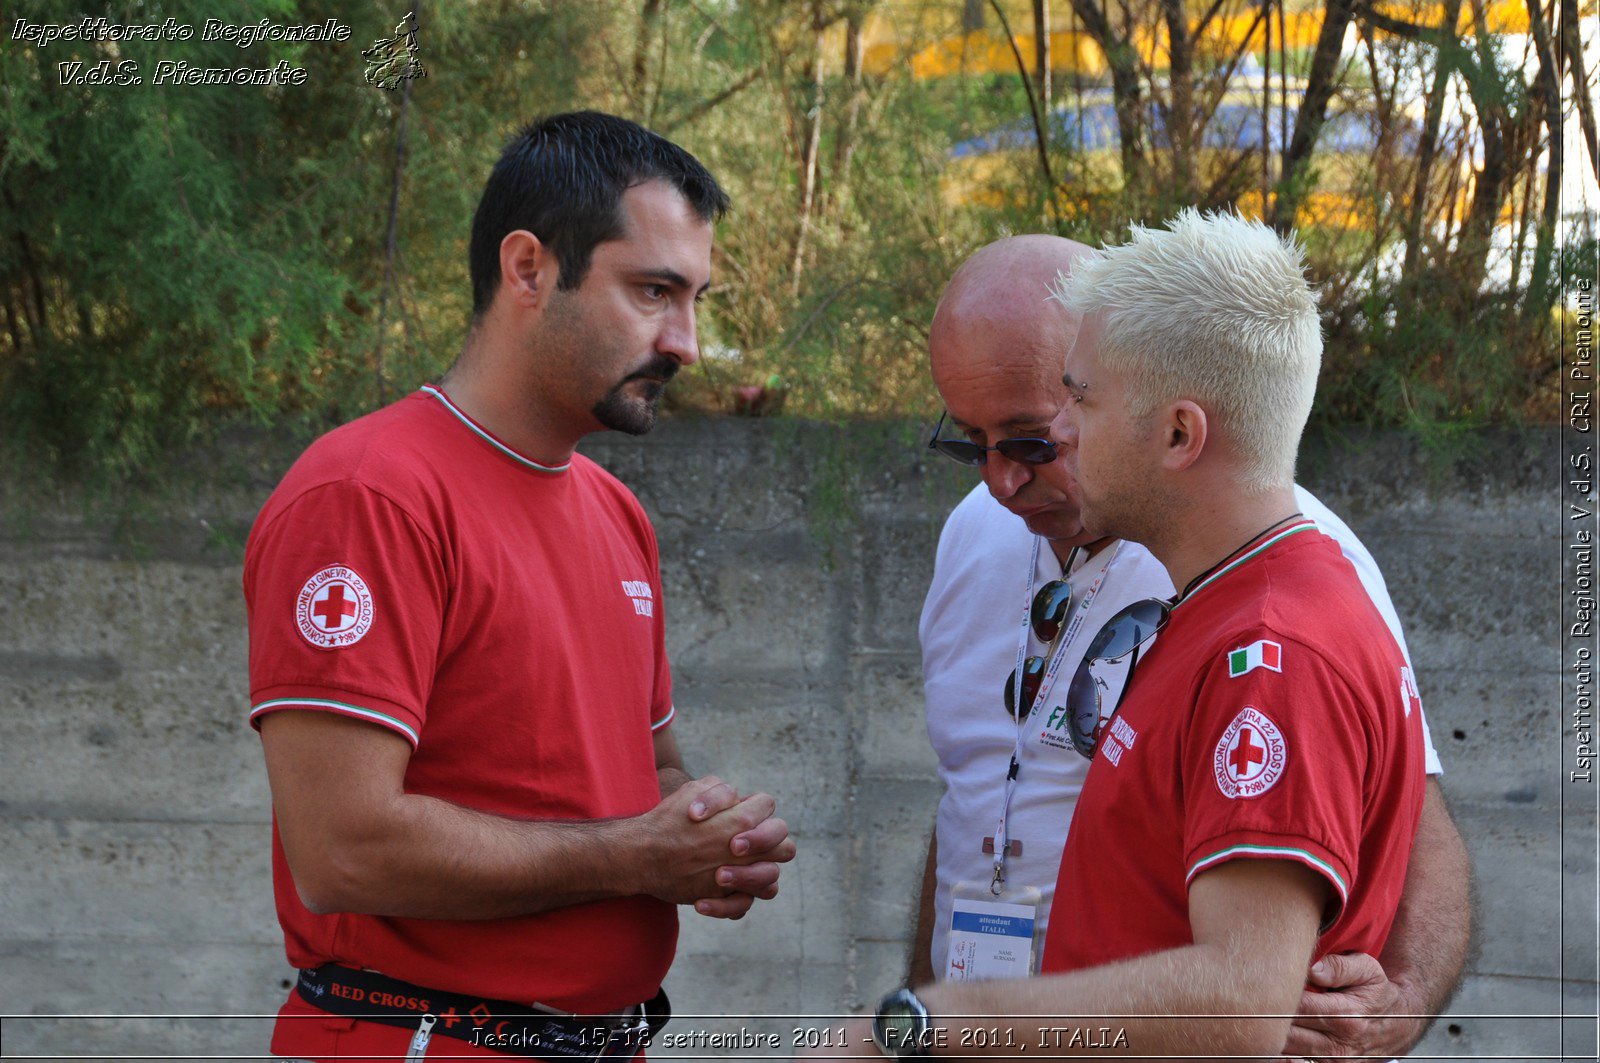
565	176
457	658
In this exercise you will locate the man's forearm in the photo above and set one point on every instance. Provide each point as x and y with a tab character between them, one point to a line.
356	841
1108	1010
436	860
1427	946
919	966
1244	974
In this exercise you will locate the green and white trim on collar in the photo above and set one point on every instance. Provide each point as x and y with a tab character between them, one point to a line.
1305	524
487	437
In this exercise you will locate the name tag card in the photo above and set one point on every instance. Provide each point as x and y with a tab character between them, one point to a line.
990	939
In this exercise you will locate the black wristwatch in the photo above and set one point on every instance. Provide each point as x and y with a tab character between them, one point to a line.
901	1028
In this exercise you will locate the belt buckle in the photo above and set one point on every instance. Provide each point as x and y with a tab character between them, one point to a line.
631	1031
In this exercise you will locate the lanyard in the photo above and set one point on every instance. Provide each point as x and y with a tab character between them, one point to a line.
1046	684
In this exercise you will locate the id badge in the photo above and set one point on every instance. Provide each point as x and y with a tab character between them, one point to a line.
992	937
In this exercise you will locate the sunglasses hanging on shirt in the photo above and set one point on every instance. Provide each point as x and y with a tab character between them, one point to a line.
1123	634
1047	615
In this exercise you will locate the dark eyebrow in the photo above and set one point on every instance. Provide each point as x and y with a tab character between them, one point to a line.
674	278
1068	382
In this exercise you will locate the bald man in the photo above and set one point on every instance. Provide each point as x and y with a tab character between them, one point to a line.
996	348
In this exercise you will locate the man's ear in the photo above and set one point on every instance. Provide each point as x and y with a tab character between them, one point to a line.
1184	433
528	269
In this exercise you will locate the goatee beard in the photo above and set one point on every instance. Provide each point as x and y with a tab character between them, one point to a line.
635	417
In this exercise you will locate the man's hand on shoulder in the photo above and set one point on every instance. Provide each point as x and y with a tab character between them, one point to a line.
1359	1013
713	849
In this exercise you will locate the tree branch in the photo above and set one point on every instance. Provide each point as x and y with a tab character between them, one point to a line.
1313	112
705	107
1204	21
1440	37
1572	46
1217	89
1040	137
391	238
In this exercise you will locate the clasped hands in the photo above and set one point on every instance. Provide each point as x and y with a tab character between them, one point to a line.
715	850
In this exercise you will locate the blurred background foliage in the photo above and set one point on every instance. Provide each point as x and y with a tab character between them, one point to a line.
176	257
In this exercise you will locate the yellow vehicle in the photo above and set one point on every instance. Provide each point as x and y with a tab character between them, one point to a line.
999	166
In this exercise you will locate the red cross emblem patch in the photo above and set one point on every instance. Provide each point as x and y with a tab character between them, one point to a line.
334	608
1250	755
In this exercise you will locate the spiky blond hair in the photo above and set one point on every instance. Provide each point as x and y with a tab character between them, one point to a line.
1216	309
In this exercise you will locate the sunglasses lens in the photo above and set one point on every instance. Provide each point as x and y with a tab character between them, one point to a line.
1027	451
1032	673
1128	629
960	450
1083	711
1050	609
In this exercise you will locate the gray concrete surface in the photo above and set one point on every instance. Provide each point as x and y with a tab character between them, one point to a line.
133	805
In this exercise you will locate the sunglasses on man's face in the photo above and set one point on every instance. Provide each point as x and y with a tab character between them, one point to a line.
1025	450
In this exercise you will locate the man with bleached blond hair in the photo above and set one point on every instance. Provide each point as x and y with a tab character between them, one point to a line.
1251	802
995	348
1277	694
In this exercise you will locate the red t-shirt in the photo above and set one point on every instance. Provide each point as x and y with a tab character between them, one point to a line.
1272	719
414	572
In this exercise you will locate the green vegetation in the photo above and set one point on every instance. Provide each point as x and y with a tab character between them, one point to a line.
176	258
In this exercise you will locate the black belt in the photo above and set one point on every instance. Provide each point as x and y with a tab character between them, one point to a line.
515	1029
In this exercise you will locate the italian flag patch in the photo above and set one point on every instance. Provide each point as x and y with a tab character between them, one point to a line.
1263	654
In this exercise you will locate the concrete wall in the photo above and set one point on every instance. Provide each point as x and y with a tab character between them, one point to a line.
133	804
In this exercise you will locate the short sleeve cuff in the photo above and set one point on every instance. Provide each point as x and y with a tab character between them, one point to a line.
396	718
1257	845
1430	756
672	710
